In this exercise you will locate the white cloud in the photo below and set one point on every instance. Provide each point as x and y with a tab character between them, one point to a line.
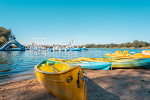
38	38
38	43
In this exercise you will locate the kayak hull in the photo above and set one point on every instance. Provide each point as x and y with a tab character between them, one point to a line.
111	57
63	84
95	65
132	63
86	63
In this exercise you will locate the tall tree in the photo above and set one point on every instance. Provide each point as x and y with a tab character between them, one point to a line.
143	44
136	43
5	34
128	44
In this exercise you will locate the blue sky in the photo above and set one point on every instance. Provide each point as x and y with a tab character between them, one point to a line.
88	21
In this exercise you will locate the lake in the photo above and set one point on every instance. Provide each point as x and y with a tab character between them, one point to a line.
19	65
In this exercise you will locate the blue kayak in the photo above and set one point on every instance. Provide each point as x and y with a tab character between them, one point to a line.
145	63
75	49
85	49
95	65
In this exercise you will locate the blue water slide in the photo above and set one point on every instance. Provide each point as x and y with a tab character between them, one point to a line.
12	41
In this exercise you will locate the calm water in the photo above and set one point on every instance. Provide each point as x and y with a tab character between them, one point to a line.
19	65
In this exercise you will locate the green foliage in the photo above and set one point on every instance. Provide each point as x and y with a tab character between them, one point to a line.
135	44
128	44
5	34
143	44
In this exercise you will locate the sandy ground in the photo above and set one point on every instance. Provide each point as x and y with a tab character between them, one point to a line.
119	84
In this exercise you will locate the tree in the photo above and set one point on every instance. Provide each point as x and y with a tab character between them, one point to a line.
136	43
128	44
5	34
143	44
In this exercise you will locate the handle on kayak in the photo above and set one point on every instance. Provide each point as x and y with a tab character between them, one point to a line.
85	78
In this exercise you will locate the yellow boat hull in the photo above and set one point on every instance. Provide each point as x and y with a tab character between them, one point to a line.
131	63
65	84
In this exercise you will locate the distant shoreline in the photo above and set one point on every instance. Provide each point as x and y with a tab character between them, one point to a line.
126	48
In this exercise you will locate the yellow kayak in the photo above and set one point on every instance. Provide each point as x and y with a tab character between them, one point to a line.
79	60
119	54
126	55
132	63
62	80
146	52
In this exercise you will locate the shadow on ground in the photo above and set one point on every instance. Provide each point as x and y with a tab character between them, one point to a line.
124	84
95	92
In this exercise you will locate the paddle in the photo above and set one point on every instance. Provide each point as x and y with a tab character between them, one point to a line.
51	66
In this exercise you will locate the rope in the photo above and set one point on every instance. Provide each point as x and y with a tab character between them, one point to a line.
83	88
85	79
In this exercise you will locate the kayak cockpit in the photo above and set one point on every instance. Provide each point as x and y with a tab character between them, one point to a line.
50	66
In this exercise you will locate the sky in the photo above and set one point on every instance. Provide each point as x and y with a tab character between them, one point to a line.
87	21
